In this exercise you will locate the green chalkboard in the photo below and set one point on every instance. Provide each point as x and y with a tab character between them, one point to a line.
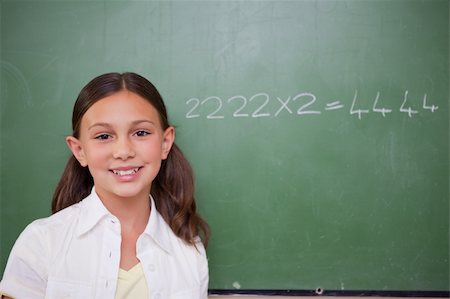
318	130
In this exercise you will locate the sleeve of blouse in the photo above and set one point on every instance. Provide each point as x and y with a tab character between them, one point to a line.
25	274
204	272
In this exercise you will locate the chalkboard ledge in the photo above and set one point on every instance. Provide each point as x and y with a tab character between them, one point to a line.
340	293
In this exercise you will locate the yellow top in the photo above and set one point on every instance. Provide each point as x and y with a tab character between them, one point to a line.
132	284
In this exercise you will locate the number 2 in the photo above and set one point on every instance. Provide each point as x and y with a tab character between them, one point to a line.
213	114
189	113
301	110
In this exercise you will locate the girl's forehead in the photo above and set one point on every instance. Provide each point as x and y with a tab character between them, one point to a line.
124	99
121	106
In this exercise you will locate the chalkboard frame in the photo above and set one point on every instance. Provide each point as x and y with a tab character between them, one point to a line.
334	293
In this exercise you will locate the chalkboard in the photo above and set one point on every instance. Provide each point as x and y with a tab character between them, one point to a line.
318	130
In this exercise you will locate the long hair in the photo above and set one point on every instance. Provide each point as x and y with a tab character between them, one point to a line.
173	187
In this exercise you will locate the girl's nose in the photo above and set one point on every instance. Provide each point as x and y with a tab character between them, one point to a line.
124	149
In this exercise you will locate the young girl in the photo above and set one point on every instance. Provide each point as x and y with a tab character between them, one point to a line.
125	223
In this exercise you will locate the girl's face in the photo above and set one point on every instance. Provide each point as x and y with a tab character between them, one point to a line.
122	143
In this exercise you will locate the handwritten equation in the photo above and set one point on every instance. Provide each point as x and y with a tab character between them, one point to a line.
305	103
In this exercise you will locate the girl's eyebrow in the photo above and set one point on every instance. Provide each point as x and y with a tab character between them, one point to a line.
108	125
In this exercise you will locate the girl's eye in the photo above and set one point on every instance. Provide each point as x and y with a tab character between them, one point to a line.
102	137
142	133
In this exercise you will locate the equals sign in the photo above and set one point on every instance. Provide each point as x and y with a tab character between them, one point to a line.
334	106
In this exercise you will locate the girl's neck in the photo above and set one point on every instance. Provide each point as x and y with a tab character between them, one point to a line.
133	213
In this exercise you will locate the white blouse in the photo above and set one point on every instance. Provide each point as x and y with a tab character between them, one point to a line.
75	253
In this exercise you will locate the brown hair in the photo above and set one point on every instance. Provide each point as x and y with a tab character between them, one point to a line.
173	187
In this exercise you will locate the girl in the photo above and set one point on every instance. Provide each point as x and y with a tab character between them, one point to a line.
125	223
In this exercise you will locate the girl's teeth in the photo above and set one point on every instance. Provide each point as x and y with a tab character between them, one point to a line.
126	172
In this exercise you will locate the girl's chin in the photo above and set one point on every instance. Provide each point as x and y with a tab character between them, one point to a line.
131	194
125	192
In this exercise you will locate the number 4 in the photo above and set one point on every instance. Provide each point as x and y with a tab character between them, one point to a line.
383	111
408	110
357	111
432	107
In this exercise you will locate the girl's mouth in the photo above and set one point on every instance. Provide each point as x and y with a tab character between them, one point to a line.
125	172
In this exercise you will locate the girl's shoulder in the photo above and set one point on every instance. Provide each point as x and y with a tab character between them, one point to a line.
161	231
194	251
53	224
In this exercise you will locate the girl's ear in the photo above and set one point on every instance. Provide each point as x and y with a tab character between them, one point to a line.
168	139
75	146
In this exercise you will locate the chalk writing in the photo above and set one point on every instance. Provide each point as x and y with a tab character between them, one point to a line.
303	109
375	108
302	104
357	111
408	110
425	105
334	106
